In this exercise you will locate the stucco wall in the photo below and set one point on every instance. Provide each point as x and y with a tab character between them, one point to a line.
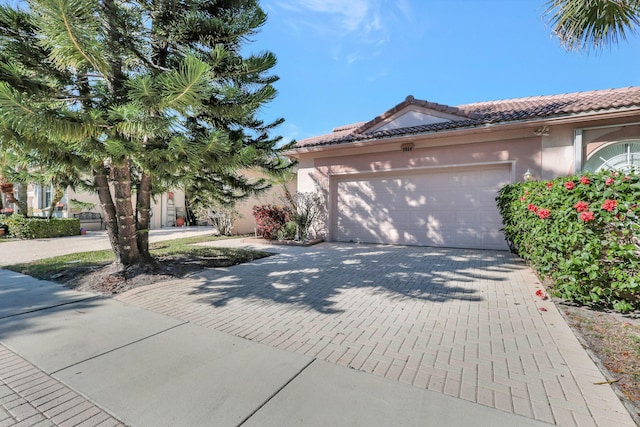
597	138
315	173
557	153
545	148
246	223
524	153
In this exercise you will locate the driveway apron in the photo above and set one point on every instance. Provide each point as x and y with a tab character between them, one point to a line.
463	323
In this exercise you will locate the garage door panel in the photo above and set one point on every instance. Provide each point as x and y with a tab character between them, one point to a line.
451	208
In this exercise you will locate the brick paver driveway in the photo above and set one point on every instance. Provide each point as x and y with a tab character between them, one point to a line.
460	322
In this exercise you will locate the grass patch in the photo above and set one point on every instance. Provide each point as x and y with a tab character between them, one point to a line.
182	252
55	267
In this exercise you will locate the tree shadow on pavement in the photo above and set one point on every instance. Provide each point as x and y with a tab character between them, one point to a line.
313	277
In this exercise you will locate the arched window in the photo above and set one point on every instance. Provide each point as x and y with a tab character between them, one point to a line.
623	156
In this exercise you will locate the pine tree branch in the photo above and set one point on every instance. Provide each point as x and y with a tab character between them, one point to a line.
73	38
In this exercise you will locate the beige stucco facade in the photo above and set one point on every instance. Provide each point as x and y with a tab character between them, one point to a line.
165	208
547	148
245	223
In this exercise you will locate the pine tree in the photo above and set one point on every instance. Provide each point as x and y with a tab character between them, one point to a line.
140	97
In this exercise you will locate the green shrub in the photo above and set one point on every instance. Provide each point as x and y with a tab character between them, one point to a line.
582	232
37	228
270	219
289	231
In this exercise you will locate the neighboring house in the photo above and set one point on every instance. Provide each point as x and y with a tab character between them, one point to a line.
166	209
427	174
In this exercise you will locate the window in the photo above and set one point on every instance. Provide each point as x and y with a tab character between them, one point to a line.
620	155
44	197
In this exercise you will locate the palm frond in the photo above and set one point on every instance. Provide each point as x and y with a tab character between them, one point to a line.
592	24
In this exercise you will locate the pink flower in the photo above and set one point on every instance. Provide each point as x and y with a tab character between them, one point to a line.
627	178
587	216
523	198
609	205
569	185
532	207
543	213
609	181
585	180
549	185
581	206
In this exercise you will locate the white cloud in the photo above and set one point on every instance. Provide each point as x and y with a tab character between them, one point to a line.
336	18
405	8
289	132
349	15
352	30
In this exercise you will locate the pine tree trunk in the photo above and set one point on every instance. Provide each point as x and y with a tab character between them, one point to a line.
21	200
127	241
144	209
108	211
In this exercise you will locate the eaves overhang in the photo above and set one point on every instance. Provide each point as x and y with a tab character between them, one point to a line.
365	141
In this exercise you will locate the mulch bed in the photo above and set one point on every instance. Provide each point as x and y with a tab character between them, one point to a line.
108	280
613	341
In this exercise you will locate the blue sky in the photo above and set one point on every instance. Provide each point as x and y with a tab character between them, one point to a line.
344	61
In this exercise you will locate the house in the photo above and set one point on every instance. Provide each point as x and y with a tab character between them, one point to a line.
166	208
424	173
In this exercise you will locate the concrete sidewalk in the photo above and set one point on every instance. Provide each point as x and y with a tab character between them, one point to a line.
463	323
69	358
19	251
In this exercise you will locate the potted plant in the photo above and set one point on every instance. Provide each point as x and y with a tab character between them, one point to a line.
6	187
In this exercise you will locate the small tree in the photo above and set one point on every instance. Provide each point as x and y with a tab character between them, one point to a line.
307	209
221	216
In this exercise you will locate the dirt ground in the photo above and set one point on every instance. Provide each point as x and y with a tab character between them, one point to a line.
108	281
613	342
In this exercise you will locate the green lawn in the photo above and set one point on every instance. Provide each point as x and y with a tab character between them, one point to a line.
184	248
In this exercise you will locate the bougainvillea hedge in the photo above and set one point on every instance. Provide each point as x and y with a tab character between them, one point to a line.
582	232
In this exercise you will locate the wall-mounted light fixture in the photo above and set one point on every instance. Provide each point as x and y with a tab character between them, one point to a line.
528	176
542	131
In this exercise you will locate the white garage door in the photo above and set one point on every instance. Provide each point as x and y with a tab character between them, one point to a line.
449	207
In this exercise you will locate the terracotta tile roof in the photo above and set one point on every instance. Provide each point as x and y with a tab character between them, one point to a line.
485	113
